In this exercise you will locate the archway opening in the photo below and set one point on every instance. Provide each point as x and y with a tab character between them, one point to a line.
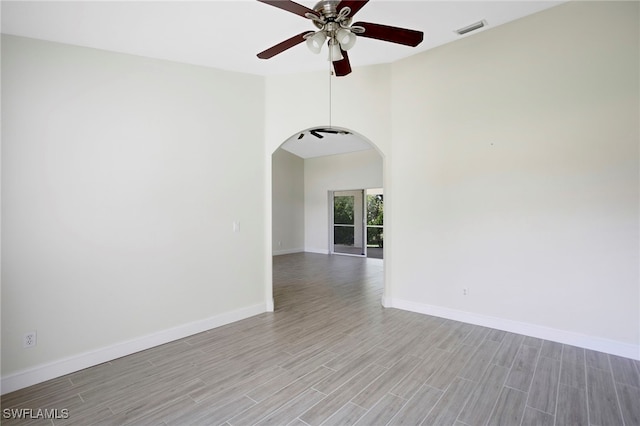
306	169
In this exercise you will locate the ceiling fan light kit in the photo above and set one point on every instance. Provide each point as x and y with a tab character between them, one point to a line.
346	38
315	41
333	18
335	51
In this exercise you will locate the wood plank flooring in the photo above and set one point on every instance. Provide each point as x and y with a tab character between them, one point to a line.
331	355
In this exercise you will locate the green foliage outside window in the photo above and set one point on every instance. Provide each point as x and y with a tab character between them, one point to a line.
343	214
343	210
375	210
375	217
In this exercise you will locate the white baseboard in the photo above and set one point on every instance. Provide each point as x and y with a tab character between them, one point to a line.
387	302
561	336
318	251
270	305
287	251
51	370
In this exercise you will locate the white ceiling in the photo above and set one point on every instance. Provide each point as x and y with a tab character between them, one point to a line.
310	146
227	34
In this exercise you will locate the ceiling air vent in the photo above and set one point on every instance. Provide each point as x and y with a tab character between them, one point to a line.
473	27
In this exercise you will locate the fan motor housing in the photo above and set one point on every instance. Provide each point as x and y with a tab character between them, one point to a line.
327	8
328	11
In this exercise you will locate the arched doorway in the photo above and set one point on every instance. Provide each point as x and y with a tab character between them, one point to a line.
306	168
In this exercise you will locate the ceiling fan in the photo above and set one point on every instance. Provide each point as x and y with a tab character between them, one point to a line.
333	18
318	132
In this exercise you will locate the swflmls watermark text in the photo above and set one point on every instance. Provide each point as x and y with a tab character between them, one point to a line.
35	413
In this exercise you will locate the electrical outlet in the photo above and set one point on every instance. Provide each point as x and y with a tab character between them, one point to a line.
465	291
29	340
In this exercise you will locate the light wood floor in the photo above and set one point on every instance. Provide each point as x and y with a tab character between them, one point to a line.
331	355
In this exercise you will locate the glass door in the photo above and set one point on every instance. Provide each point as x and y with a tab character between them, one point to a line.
348	230
375	223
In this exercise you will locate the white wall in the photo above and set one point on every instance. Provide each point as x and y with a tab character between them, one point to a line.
360	101
288	202
356	170
515	174
511	168
121	177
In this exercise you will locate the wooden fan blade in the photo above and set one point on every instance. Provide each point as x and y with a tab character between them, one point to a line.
281	47
342	67
354	5
391	34
290	6
316	134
